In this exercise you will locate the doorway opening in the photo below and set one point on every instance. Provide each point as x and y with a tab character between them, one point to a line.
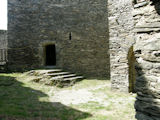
50	55
132	71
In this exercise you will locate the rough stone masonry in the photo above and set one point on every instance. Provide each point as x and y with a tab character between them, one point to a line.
147	52
78	29
121	26
135	53
3	49
3	39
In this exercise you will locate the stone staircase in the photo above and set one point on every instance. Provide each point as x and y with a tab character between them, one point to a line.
55	77
2	67
3	60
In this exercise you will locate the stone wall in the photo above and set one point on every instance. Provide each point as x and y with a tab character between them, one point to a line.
3	39
79	29
80	32
147	53
121	41
3	50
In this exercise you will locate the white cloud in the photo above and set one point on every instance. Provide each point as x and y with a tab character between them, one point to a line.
3	14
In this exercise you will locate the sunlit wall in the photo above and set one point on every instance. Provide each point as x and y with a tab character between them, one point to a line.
3	14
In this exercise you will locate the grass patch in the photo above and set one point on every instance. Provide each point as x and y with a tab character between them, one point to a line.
22	99
19	99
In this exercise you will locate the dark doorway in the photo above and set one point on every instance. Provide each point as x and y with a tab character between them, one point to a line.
50	55
132	71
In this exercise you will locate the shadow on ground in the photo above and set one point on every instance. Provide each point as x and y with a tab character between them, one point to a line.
20	103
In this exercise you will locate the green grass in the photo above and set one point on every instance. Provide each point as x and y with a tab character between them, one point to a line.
22	99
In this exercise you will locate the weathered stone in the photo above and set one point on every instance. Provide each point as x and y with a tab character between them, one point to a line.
54	77
142	116
141	4
149	25
148	61
3	39
3	50
146	30
153	45
144	64
153	56
149	108
121	40
79	30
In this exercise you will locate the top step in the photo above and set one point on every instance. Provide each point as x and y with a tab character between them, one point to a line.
49	71
42	72
63	76
58	74
2	63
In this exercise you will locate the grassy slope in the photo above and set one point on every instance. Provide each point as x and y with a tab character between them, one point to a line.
22	99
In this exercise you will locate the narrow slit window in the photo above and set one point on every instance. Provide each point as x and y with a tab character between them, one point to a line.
70	36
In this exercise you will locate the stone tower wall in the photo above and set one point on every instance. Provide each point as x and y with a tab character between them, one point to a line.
3	49
141	54
3	39
121	41
79	29
80	32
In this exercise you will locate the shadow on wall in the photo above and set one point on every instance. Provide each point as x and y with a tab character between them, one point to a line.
156	3
147	85
19	102
146	104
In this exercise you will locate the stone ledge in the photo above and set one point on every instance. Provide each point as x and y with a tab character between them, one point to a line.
146	30
138	5
2	63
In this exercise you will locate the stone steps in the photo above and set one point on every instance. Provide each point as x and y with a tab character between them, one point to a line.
55	77
63	76
3	67
58	73
2	63
53	71
49	71
42	72
74	78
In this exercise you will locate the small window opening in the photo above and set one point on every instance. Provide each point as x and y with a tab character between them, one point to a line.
70	36
50	55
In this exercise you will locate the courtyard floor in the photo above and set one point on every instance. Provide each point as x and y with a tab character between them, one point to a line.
23	99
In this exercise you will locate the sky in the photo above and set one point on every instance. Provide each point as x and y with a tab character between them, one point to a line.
3	14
